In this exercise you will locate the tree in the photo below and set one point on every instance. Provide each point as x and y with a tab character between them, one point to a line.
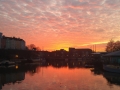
33	47
113	46
117	46
38	49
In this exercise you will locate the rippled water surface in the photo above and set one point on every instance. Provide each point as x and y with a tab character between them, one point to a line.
37	77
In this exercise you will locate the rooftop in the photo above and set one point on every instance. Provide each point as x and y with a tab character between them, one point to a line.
116	53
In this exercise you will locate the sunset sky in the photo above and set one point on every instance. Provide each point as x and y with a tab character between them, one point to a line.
55	24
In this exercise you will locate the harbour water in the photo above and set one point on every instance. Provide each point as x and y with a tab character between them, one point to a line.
55	77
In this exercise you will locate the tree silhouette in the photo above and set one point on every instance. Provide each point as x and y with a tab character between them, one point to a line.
113	46
33	47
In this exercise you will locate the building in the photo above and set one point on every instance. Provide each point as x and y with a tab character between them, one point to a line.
11	43
3	43
80	52
0	39
22	44
112	58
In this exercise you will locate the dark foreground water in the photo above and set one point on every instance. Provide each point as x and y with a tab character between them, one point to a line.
50	77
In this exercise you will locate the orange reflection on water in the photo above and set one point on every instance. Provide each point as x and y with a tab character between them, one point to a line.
64	78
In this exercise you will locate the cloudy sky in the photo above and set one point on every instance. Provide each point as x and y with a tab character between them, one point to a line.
55	24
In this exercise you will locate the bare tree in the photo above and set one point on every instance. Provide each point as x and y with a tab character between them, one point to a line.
113	46
33	47
117	46
38	49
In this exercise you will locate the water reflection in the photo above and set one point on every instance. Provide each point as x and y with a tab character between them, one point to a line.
15	74
59	64
112	78
63	75
10	77
97	71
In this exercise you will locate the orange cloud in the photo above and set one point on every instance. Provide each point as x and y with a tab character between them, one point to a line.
55	24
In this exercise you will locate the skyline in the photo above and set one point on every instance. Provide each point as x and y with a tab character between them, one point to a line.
56	24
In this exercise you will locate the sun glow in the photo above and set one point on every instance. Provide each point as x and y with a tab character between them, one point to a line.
64	46
59	24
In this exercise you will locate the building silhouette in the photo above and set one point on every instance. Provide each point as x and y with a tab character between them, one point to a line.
11	43
0	39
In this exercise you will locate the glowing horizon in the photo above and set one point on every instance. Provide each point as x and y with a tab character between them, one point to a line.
60	24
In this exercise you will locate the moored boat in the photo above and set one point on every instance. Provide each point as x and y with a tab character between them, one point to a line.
7	62
111	68
35	60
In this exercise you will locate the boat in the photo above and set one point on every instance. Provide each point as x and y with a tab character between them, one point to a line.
7	66
6	63
35	59
88	66
111	68
18	61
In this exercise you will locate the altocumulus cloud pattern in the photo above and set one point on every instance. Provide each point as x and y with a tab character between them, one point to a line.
52	22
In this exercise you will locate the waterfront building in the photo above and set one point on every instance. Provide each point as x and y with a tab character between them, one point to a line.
8	43
0	39
3	43
71	49
11	43
72	54
17	44
83	52
112	62
112	58
22	44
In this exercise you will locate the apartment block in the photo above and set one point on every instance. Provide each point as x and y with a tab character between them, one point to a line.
11	43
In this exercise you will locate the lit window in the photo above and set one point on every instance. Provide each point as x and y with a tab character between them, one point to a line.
16	66
16	56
